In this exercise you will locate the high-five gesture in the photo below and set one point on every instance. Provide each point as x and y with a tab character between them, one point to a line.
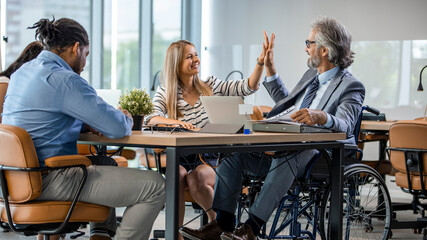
265	45
269	55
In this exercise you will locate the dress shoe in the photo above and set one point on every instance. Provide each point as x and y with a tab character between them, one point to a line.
98	237
210	231
244	232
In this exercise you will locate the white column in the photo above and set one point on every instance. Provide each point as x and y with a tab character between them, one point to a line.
145	36
405	74
97	43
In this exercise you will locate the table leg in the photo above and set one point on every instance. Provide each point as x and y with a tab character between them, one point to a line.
172	188
336	194
382	150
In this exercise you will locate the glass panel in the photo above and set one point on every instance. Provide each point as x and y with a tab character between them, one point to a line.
227	60
21	14
121	44
128	44
377	65
106	81
419	60
166	29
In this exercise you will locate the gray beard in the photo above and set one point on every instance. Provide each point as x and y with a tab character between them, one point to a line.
313	62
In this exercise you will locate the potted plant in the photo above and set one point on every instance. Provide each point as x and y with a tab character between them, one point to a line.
138	103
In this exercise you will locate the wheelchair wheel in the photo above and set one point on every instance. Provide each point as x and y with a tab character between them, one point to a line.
366	205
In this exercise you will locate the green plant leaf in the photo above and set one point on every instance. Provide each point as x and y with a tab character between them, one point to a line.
137	102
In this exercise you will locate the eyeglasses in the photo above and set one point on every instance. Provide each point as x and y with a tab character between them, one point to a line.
307	43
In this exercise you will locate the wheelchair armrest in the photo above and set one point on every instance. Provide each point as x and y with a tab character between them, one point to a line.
353	147
67	160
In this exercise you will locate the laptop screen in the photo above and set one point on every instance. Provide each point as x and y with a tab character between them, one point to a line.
223	109
110	96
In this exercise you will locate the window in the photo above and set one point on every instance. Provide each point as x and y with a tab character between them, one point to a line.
390	72
418	61
21	14
166	29
121	44
121	55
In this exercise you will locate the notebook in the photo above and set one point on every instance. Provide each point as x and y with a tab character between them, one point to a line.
223	114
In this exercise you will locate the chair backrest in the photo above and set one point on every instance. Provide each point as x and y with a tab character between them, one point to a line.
421	118
257	114
17	150
3	89
406	136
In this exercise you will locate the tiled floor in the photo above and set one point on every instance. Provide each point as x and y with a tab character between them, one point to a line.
159	224
395	193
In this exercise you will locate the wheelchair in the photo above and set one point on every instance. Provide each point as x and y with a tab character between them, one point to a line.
304	212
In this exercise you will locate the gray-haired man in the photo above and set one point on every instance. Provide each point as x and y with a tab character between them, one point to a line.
327	95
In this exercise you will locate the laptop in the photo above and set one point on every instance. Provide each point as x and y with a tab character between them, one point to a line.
110	96
223	114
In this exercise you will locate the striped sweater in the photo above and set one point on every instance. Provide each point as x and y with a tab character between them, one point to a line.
196	114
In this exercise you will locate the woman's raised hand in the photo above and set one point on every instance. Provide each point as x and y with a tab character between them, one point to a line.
265	45
269	55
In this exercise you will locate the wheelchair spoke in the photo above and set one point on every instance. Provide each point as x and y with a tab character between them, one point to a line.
366	205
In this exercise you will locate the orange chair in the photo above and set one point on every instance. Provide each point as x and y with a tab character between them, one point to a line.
21	182
257	113
408	155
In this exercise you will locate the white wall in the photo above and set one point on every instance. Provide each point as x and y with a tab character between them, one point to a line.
227	23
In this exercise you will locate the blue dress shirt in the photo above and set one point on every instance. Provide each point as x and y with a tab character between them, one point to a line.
324	81
51	102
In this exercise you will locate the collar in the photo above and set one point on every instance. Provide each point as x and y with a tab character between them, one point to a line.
328	75
55	58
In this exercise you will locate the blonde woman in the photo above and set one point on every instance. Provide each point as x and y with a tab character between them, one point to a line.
178	102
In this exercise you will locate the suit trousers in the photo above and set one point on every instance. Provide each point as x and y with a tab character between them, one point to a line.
280	174
142	192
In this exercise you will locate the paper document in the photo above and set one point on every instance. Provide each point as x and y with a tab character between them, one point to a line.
284	116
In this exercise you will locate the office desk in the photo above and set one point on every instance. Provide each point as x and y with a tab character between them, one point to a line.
186	143
383	126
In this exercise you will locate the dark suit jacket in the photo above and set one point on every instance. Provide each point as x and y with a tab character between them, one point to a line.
342	100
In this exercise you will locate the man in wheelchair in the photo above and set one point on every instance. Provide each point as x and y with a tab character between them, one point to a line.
327	95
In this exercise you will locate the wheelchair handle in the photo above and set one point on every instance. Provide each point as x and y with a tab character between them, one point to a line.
371	110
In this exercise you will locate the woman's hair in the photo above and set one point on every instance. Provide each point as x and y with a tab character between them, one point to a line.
30	52
60	34
170	74
336	38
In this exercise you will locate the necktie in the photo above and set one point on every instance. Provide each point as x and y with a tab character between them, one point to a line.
311	93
